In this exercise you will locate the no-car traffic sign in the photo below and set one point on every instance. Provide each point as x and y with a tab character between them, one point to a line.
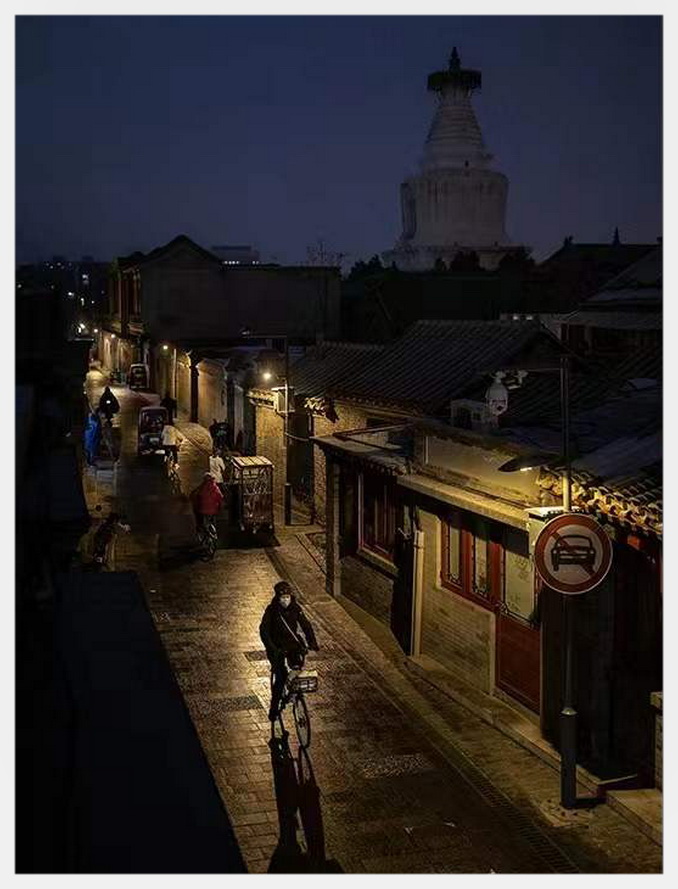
572	554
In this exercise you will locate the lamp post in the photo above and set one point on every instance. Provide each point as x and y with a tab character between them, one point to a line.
287	487
568	713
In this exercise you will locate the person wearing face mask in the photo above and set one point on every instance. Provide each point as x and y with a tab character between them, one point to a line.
287	634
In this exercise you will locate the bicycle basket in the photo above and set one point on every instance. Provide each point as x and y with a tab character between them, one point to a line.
306	681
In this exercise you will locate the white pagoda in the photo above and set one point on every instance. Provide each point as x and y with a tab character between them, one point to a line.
457	202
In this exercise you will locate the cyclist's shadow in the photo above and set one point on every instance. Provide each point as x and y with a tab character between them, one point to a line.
296	791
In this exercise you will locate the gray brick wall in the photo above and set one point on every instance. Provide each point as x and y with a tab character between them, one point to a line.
349	418
456	632
368	587
269	432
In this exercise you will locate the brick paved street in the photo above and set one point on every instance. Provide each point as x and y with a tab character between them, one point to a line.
392	783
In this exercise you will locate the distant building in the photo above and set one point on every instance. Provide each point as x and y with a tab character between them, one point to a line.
236	254
457	202
179	304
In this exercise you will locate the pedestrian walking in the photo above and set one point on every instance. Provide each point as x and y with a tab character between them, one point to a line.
171	440
170	406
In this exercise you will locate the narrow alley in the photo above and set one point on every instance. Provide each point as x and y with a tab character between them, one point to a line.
381	789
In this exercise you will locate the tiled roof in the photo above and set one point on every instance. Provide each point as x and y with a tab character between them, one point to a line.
388	448
640	283
138	258
592	384
622	482
326	366
436	360
614	320
646	272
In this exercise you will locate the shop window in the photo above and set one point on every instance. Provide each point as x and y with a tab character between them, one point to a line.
470	563
378	515
519	587
452	551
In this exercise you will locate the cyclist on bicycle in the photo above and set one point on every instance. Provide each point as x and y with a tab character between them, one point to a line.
108	404
171	440
279	631
206	500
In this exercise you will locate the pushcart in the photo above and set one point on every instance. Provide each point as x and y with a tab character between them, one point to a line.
251	485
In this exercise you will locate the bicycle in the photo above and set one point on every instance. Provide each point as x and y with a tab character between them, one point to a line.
172	470
298	683
207	538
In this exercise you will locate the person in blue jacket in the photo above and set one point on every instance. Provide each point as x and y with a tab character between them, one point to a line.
92	437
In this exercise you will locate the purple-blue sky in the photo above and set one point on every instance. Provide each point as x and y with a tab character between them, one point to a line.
277	131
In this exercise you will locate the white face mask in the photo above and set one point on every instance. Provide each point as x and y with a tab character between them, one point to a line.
285	601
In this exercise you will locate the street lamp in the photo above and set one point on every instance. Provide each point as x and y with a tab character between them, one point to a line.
568	713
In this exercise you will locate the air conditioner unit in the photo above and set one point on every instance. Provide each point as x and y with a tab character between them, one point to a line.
279	400
474	415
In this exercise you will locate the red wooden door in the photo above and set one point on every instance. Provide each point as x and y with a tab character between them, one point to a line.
517	639
518	660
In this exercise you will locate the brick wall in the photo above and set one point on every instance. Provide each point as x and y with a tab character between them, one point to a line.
269	436
368	587
349	417
456	632
211	392
183	395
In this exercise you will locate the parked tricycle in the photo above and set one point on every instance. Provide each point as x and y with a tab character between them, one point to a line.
149	434
137	378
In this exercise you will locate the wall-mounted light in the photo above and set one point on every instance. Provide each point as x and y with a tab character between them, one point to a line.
267	375
165	347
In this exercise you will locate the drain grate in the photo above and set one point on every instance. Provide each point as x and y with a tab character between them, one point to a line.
546	854
258	655
246	702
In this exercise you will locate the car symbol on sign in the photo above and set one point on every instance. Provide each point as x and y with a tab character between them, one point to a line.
573	549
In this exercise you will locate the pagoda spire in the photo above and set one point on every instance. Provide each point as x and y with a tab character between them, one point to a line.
454	139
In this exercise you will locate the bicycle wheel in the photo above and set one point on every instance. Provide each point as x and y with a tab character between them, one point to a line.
203	545
209	543
302	721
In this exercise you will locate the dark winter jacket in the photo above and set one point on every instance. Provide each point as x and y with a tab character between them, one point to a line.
280	629
108	403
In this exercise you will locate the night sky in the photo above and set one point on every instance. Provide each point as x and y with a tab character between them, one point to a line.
278	131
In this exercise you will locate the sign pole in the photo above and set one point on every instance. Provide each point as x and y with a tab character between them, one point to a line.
568	715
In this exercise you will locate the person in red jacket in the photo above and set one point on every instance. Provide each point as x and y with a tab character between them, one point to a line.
206	499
